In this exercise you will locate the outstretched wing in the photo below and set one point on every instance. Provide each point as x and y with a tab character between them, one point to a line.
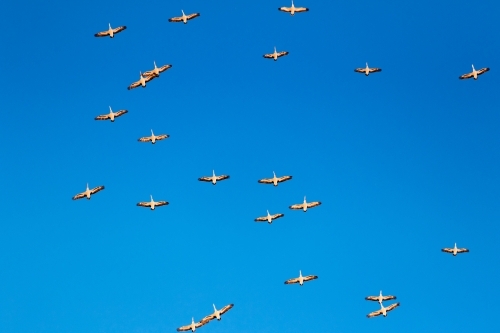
145	139
164	68
482	70
372	298
392	307
148	73
266	181
175	19
292	281
144	204
96	189
192	16
284	178
222	177
313	204
277	216
184	328
134	85
301	9
447	250
102	34
226	308
285	9
102	117
162	137
373	70
360	70
120	113
374	313
462	250
205	179
388	297
206	319
466	76
282	53
119	29
261	219
297	206
79	196
161	203
310	277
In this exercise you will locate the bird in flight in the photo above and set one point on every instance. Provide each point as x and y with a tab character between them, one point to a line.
152	204
111	115
269	218
292	10
88	192
305	205
275	180
367	70
193	326
455	250
383	310
141	82
275	55
380	298
184	18
474	74
153	138
213	178
110	32
217	313
156	71
301	279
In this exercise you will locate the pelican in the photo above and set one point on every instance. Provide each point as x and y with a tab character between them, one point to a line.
110	32
292	10
111	115
88	192
474	73
367	70
380	298
141	82
275	180
152	204
156	71
217	313
305	205
455	250
269	218
193	326
275	55
383	311
213	178
184	18
301	279
153	138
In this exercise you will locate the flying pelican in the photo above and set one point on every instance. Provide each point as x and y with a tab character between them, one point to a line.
156	71
88	192
292	10
184	18
305	205
193	326
153	138
269	218
152	204
455	250
383	311
301	279
474	73
213	178
367	70
275	55
380	298
217	313
275	180
110	32
111	115
141	82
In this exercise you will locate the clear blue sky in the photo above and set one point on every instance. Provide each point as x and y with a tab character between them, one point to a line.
405	162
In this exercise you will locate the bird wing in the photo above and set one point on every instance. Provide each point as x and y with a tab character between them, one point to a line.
161	203
205	179
282	53
313	204
297	206
266	181
200	323
145	139
149	78
118	29
462	250
466	76
448	250
144	204
360	70
102	34
373	70
175	19
79	196
102	117
164	68
284	178
388	297
120	113
148	73
222	177
226	308
482	70
192	16
134	85
372	298
162	136
261	219
374	313
268	55
392	307
310	277
277	216
206	319
291	281
184	328
301	9
96	189
285	9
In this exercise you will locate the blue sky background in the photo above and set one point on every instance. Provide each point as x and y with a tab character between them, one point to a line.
405	162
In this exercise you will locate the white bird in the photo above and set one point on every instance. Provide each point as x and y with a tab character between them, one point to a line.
380	298
217	313
269	218
153	138
88	192
141	82
292	10
367	70
184	18
213	178
156	71
110	32
301	279
305	205
111	115
152	204
193	326
275	180
455	250
275	55
474	73
383	310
